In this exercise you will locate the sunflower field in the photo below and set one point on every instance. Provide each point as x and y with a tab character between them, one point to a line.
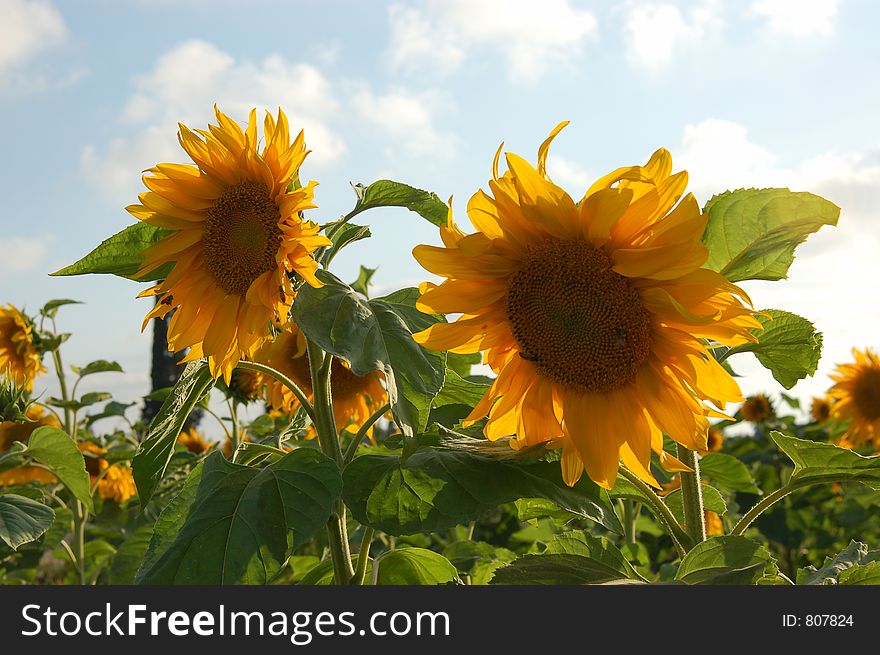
559	405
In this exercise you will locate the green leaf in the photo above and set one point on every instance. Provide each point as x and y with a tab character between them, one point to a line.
50	309
537	508
323	574
462	363
725	560
816	462
413	566
93	397
111	409
789	346
598	549
458	391
554	569
364	279
23	520
833	567
98	366
477	559
386	193
861	575
712	501
154	452
244	522
752	233
121	254
436	489
129	556
728	472
55	449
376	335
342	236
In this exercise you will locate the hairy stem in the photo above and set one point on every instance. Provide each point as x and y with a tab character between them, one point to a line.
680	538
363	557
286	381
692	496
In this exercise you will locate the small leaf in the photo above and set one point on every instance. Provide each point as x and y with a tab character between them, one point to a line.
824	462
23	520
362	284
554	569
376	335
789	346
121	254
712	501
342	236
154	452
50	309
728	472
850	556
386	193
752	233
98	366
244	521
725	560
93	397
414	566
55	449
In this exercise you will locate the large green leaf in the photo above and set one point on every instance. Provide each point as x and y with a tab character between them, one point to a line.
413	566
712	501
387	193
833	567
789	346
436	489
477	559
154	452
244	521
725	560
728	472
555	569
376	335
752	233
54	449
341	236
121	254
598	549
23	520
824	462
129	556
861	574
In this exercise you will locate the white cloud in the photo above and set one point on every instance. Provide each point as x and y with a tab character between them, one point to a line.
19	254
532	37
183	86
408	119
656	32
798	17
569	175
26	29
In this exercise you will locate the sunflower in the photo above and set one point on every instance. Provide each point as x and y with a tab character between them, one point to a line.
715	440
757	409
594	315
194	441
236	233
856	398
19	357
115	481
12	431
714	525
355	397
245	385
820	409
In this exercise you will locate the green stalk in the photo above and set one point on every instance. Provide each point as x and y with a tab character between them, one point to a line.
363	557
692	496
362	432
630	515
233	415
680	538
328	438
286	381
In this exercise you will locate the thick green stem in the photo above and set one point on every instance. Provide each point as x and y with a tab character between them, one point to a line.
692	496
630	515
768	500
363	557
680	538
233	416
362	432
328	438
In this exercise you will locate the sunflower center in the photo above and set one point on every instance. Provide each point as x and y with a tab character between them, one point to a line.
579	322
242	236
866	394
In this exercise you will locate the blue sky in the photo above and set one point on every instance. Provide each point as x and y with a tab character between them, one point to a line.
743	93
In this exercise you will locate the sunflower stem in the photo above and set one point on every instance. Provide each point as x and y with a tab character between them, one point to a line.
692	496
764	504
680	538
362	432
630	515
233	416
363	557
328	438
287	382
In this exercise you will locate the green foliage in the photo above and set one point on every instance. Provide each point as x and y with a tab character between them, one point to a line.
712	501
121	254
376	335
244	521
129	556
436	489
98	366
833	567
789	346
54	449
413	566
752	233
823	462
22	520
728	472
725	560
154	452
387	193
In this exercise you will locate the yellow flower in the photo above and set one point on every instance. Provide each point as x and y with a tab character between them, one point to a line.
236	233
715	440
11	432
19	357
591	314
714	526
856	398
194	441
245	385
115	482
757	409
820	409
355	397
